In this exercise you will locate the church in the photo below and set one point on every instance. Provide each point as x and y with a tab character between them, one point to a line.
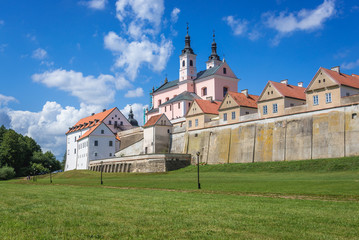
173	98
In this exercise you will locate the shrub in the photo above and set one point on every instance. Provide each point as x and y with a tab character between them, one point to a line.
7	173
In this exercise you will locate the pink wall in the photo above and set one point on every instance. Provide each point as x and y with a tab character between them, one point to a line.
220	83
209	84
163	95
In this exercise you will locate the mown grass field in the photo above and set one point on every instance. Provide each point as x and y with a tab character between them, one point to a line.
316	199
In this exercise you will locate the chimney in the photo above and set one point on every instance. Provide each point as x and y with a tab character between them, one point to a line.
209	98
285	81
336	69
92	114
245	92
300	84
104	110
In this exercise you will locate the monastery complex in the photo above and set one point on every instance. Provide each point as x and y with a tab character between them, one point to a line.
203	111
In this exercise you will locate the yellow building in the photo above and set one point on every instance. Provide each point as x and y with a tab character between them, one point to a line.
235	105
278	96
201	112
328	87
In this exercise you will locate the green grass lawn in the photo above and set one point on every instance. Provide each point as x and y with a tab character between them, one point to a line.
316	199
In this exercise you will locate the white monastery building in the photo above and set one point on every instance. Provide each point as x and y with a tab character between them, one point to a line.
95	137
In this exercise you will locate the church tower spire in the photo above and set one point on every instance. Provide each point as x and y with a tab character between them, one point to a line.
188	70
213	59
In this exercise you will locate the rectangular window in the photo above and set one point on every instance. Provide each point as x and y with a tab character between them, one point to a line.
328	97
75	150
110	143
102	131
179	105
95	154
233	115
265	109
96	143
275	108
225	116
315	100
196	122
109	122
190	123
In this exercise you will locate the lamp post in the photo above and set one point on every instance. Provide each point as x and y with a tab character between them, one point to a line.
50	175
199	185
101	172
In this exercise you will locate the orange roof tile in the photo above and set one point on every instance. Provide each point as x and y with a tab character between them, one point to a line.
208	106
343	79
152	121
118	138
90	121
242	100
288	90
89	132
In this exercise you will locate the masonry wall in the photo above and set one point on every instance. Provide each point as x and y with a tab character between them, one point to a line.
310	135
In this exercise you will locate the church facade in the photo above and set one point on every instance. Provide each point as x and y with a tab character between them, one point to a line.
173	98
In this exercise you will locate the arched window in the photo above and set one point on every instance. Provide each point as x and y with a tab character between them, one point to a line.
191	63
159	102
204	91
167	99
183	63
225	90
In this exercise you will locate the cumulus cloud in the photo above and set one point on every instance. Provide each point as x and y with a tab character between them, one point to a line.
48	126
39	54
137	109
138	92
89	89
95	4
304	20
150	11
351	65
238	26
131	55
4	100
174	14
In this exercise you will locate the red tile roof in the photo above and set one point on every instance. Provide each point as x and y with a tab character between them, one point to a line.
86	134
288	90
242	100
152	121
343	79
90	121
208	106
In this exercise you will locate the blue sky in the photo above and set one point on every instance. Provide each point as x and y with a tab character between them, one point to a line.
62	60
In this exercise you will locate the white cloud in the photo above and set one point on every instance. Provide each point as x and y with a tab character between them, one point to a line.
137	109
351	65
239	27
4	100
131	55
89	89
138	92
145	10
95	4
48	126
303	20
39	54
174	14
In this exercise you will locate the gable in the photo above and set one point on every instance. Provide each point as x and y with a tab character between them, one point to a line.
228	102
194	109
163	121
116	115
321	80
229	72
269	92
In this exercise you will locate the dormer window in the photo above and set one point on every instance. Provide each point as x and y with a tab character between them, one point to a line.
191	63
183	63
224	70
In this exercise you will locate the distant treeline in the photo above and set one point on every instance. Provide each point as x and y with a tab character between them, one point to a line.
24	155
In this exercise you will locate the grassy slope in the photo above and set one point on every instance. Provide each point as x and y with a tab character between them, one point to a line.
337	178
44	211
